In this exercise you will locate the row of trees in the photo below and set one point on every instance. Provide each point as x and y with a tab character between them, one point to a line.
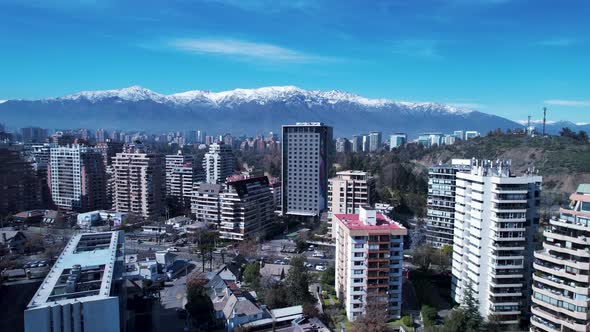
581	135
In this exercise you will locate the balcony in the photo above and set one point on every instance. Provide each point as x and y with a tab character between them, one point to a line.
540	312
544	323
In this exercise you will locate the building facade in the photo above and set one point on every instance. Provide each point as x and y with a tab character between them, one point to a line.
397	140
139	186
173	161
247	209
181	181
205	202
348	191
83	291
496	219
77	178
561	281
369	263
305	168
440	215
357	143
219	163
343	145
375	138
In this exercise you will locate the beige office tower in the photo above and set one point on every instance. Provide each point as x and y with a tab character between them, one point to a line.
139	183
561	279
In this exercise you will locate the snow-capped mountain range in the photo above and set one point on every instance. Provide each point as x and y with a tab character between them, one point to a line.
242	111
262	96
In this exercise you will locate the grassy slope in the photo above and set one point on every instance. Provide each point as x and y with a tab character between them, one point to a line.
563	162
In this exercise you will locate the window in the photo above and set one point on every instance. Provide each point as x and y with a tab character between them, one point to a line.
359	246
358	272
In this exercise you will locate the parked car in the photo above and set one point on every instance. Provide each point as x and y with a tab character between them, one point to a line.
320	268
172	249
318	254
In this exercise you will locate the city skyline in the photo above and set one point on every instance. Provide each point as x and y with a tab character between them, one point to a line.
503	56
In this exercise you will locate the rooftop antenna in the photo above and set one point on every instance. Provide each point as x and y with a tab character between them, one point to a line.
544	119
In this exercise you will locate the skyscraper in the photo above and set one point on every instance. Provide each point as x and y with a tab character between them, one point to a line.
219	163
562	270
397	140
173	161
496	219
305	168
369	263
139	182
77	178
357	143
181	181
440	216
33	134
374	141
342	145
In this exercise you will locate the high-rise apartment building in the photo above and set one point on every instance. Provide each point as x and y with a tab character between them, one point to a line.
219	163
458	134
366	143
84	291
440	215
470	134
496	219
561	282
305	168
182	179
374	141
77	178
139	183
343	145
20	187
33	134
348	191
357	143
397	140
369	263
205	202
173	161
101	135
109	150
247	209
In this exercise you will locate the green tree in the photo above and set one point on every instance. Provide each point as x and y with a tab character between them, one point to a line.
252	275
374	320
300	244
198	305
422	256
276	297
455	321
471	304
297	282
429	315
328	277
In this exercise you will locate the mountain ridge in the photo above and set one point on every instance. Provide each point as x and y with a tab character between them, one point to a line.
243	111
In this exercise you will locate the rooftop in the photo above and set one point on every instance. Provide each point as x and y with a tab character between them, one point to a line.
583	188
83	272
354	222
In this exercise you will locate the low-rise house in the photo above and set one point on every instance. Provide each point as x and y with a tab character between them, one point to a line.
274	272
29	217
240	309
101	217
13	241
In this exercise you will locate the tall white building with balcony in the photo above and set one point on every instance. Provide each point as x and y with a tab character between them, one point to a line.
496	218
219	163
369	262
561	281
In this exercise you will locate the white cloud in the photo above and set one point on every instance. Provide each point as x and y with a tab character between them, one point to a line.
466	105
242	49
572	103
423	48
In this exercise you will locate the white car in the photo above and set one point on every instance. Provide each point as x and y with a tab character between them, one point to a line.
172	249
318	254
320	268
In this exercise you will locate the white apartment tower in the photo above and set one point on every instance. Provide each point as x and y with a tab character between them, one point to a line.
561	282
496	218
305	168
205	202
139	183
374	141
348	191
440	215
369	262
77	178
397	140
173	161
181	181
219	163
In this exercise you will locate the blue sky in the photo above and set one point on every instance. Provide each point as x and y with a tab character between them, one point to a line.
506	57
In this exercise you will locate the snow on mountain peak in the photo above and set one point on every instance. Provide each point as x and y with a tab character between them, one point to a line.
262	96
